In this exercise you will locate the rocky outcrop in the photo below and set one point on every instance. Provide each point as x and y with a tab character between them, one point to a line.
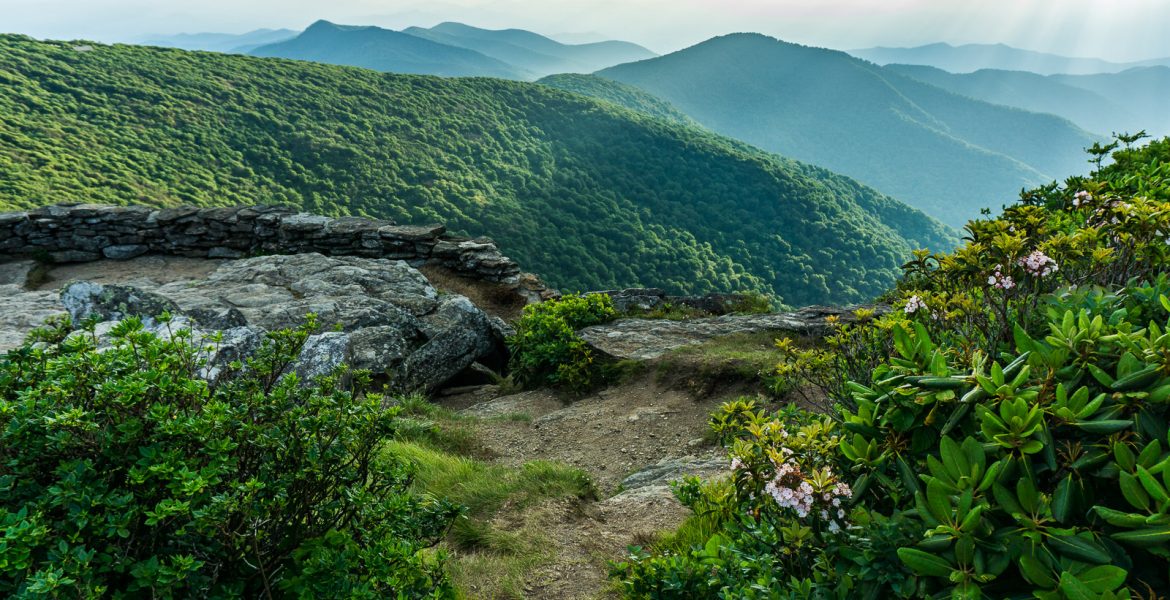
672	469
22	310
387	317
86	232
647	339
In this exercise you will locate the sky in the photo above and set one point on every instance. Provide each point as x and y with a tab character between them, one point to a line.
1119	30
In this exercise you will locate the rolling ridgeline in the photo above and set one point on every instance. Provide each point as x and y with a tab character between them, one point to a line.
940	152
588	194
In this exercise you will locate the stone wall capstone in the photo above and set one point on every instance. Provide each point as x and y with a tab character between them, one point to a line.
86	232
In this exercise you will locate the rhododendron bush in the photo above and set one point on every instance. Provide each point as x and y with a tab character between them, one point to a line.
1008	438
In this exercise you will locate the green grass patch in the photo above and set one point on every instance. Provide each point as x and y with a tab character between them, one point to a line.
500	540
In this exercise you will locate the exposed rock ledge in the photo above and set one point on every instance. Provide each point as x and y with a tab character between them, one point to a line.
647	339
389	318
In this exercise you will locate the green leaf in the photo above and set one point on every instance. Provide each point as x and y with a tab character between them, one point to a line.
1133	491
1075	589
1152	485
1034	571
1104	578
925	563
1062	499
1145	538
1118	518
1103	427
1079	548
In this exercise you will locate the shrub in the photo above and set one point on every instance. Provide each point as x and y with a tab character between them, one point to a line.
546	348
1008	436
123	475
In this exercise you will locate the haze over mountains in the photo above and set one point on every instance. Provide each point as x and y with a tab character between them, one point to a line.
241	43
947	144
1131	100
943	153
973	57
448	49
532	52
386	50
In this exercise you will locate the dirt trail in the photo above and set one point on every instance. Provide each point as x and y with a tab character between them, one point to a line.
610	434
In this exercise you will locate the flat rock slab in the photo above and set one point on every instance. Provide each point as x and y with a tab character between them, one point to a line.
648	339
21	311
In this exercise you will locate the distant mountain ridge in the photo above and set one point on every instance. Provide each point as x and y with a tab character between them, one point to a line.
968	58
387	51
946	154
534	52
1131	100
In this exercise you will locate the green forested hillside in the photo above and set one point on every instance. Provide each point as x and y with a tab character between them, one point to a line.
618	93
585	193
943	153
386	50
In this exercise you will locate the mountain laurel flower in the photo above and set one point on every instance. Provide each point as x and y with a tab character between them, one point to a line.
1038	264
914	304
1081	198
999	280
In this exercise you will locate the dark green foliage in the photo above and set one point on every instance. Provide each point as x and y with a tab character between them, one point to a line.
617	93
945	154
546	349
122	475
588	195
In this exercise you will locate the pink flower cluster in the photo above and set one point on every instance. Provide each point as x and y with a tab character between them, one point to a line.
1038	264
790	489
999	280
1081	198
914	304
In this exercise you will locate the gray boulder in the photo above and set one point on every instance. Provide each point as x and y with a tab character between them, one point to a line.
671	469
458	334
85	299
321	355
389	319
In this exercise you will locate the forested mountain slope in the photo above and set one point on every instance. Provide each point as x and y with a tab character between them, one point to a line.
585	193
943	153
618	93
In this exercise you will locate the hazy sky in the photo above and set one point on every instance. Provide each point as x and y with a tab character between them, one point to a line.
1111	29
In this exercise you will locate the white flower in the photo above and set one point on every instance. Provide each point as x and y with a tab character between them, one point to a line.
999	280
1080	198
1039	264
914	304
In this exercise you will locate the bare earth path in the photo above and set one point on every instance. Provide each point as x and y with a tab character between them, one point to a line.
609	434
